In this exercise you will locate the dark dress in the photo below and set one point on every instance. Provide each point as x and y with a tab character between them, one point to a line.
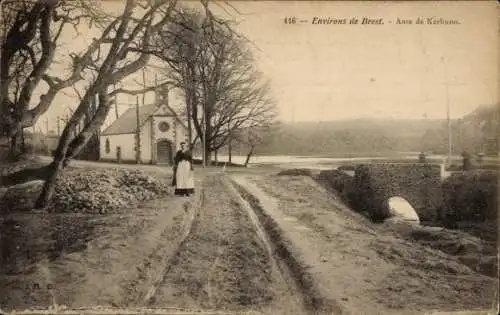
178	157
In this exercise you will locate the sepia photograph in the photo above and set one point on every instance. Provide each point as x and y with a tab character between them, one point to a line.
249	157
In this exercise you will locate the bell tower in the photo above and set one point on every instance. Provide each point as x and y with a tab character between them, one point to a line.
161	95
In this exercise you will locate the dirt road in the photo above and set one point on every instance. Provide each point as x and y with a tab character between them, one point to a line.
226	261
254	243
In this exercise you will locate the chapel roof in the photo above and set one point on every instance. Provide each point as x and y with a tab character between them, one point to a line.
127	122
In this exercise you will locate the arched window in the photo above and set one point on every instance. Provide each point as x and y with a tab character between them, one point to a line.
108	146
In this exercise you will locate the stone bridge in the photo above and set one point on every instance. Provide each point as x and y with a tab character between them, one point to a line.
418	183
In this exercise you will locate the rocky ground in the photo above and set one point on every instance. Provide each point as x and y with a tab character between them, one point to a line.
246	241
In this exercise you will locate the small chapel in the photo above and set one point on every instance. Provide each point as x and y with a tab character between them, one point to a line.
160	133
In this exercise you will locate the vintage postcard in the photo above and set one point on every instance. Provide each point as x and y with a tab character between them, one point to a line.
249	157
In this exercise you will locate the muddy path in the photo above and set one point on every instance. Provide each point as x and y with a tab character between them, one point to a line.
227	262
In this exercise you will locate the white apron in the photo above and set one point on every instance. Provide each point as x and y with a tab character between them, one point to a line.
184	176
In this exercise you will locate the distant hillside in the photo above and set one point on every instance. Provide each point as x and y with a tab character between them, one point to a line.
371	136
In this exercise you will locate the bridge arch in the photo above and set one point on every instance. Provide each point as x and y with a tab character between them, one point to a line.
418	183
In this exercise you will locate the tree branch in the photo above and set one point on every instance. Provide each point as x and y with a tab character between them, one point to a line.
137	92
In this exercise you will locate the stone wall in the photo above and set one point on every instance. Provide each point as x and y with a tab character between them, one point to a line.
418	183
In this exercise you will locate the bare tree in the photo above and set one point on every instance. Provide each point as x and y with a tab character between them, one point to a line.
127	38
252	137
215	68
120	51
31	30
178	45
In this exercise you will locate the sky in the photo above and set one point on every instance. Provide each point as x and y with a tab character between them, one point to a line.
324	72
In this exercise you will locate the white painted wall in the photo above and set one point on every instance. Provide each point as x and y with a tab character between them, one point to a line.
125	141
146	142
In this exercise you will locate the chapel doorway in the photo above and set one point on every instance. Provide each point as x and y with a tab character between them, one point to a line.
164	152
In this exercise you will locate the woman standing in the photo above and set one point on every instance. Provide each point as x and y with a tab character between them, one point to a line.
177	159
183	172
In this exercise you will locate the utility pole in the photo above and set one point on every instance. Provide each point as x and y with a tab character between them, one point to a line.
137	133
448	118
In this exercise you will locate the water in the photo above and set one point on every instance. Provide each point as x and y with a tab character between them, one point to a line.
316	162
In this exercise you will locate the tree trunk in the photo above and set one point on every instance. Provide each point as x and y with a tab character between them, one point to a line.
248	156
15	144
215	157
208	158
13	148
68	148
229	151
23	143
57	164
206	152
50	182
190	128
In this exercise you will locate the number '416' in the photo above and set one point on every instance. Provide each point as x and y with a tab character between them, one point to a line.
290	20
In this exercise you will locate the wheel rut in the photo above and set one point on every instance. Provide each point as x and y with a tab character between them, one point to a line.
168	261
227	261
293	269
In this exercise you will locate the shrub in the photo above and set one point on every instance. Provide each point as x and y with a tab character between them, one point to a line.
471	196
296	172
336	179
353	191
343	184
